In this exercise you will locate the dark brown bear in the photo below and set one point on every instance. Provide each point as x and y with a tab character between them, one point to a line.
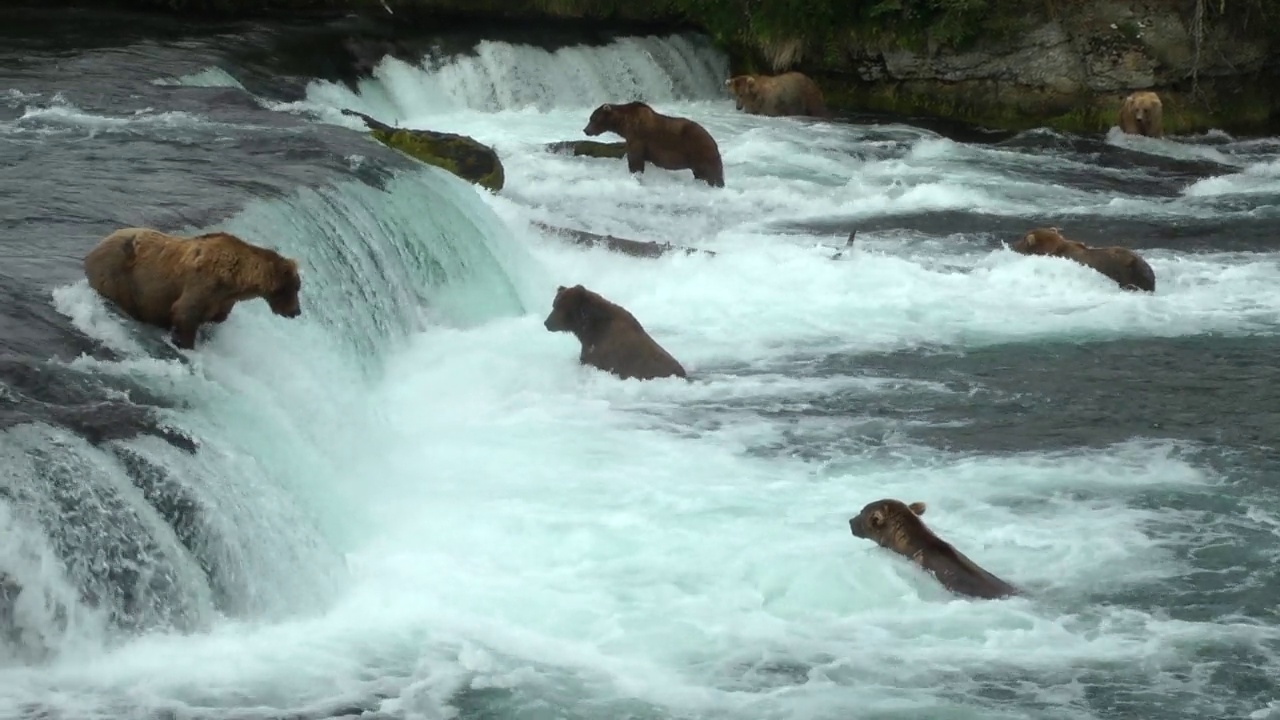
897	526
671	143
791	93
1142	113
1123	265
612	339
178	283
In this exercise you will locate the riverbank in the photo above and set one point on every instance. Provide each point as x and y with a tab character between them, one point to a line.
1006	64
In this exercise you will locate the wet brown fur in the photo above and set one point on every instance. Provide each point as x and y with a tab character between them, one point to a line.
671	143
612	339
1142	113
1122	265
791	93
897	526
179	283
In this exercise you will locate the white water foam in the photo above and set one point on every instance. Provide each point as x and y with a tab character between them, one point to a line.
516	523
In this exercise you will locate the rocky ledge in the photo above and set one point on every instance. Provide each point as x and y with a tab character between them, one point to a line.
1009	64
1069	69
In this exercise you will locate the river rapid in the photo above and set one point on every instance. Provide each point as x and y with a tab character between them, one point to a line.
413	502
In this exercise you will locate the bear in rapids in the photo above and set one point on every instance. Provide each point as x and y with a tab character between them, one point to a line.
1142	113
791	93
1123	265
177	283
894	525
611	337
671	143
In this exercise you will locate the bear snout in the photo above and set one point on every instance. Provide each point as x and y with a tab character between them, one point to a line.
856	527
591	130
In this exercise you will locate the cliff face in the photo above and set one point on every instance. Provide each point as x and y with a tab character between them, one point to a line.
1001	63
1069	69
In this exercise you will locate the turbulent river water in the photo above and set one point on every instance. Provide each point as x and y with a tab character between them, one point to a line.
413	502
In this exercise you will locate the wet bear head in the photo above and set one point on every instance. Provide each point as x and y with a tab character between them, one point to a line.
890	523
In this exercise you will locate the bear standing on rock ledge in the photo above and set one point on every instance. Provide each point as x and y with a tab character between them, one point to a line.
791	93
1142	113
612	339
181	283
671	143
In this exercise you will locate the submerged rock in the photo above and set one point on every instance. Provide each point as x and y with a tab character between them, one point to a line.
465	157
635	248
97	409
589	148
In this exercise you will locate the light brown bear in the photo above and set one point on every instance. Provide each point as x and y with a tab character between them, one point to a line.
897	526
1123	265
611	337
671	143
1142	113
791	93
178	283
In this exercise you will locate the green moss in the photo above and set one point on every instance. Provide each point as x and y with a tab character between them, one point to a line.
470	160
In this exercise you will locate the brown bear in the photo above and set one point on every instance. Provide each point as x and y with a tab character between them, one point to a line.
671	143
1123	265
897	526
1142	113
790	93
179	283
612	339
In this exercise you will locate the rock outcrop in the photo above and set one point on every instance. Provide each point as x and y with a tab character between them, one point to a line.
1070	70
470	160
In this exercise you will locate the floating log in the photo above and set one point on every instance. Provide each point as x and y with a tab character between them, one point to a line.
589	148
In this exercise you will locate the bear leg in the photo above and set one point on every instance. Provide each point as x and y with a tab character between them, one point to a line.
635	157
222	315
185	318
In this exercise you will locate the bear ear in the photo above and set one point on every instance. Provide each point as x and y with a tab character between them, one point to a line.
751	80
1030	239
877	519
917	508
561	289
606	106
728	82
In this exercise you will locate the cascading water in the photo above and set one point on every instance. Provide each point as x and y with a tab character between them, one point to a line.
413	499
141	535
501	76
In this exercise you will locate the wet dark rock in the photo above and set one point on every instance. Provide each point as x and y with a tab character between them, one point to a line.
635	248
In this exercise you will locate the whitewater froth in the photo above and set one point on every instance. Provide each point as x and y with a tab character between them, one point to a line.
501	76
510	533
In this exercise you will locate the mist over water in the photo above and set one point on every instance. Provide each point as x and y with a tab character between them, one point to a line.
414	501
